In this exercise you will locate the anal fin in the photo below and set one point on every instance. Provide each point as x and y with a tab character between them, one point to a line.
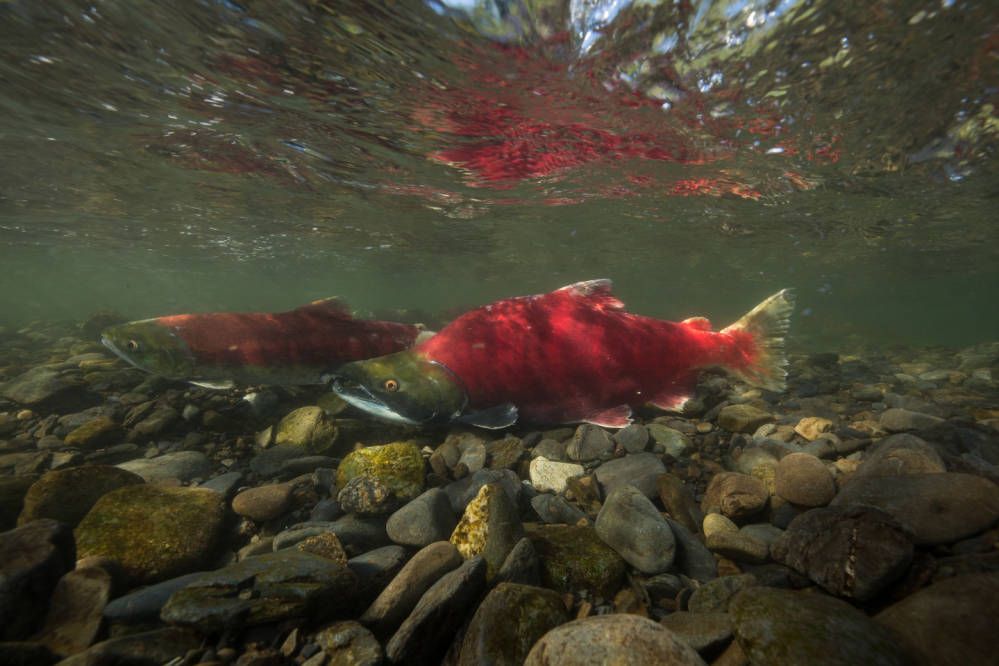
615	417
492	418
670	402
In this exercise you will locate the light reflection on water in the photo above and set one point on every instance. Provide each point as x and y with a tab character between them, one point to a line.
229	155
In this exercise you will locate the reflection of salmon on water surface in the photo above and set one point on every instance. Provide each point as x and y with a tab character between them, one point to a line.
570	355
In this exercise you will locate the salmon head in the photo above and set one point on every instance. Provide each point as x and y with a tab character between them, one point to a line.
402	387
151	346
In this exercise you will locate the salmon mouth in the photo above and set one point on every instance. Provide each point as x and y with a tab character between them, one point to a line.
357	395
106	341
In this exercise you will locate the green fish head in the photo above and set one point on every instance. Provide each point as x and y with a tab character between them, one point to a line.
151	346
401	387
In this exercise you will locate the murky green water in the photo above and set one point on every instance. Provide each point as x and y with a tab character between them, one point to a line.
171	157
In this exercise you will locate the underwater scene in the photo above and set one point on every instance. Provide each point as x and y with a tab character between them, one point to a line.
547	332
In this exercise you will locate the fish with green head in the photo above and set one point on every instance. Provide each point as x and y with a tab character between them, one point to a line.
567	356
223	349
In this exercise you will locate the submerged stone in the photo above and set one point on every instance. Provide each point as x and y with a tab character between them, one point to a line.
67	495
398	466
153	532
490	527
573	557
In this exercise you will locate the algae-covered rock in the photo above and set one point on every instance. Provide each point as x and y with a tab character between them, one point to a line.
309	428
95	432
399	466
785	628
266	588
489	527
573	558
67	495
508	622
743	418
153	532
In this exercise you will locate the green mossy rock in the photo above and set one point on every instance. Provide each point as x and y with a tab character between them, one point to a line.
94	433
308	427
573	558
153	532
399	466
67	495
787	628
508	622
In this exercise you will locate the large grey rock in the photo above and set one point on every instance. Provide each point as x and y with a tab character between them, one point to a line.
900	420
521	565
554	509
640	470
701	631
425	635
852	552
45	386
399	598
670	441
693	558
144	605
629	523
32	559
552	475
898	455
612	639
590	442
936	508
633	438
376	568
422	521
508	622
283	585
357	534
183	465
949	623
785	628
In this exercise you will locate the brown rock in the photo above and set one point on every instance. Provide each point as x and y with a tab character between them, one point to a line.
803	479
74	617
679	502
812	427
734	495
743	418
264	502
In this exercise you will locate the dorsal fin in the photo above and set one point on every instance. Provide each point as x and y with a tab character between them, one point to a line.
332	305
697	323
598	292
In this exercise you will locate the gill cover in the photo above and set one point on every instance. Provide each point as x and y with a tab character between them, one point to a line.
402	387
150	346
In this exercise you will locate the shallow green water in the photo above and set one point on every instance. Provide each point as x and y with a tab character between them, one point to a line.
215	155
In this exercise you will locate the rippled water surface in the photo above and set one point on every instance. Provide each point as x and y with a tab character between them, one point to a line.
165	157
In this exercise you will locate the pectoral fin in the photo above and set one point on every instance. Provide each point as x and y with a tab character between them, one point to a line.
492	418
218	385
615	417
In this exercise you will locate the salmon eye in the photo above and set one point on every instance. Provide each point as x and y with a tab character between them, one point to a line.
132	345
391	385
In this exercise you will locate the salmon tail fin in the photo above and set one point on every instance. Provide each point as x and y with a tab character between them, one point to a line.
761	333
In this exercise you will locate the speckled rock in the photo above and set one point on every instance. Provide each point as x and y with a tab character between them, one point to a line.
589	442
425	635
937	508
612	639
94	433
631	525
803	479
715	596
736	496
548	475
641	470
32	559
264	502
283	585
504	453
423	521
785	628
400	596
74	617
950	623
900	420
463	491
67	495
182	465
743	418
573	557
309	428
325	545
490	527
348	643
507	624
813	427
679	502
852	552
399	466
367	496
898	455
701	631
153	532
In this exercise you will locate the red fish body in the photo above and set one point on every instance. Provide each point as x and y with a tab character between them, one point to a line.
575	355
294	347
